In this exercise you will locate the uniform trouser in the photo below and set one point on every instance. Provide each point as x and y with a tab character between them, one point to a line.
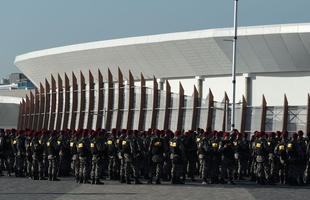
122	168
130	166
227	169
294	173
84	167
147	166
204	162
29	166
242	166
191	168
307	173
19	164
214	169
96	167
9	163
262	170
112	167
45	165
2	161
177	170
6	163
167	165
156	169
63	166
37	167
52	166
282	172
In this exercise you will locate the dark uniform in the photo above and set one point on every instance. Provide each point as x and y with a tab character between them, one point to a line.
29	157
131	152
119	143
177	156
242	149
53	156
37	158
215	158
83	150
261	159
113	167
294	162
204	157
64	155
98	148
280	153
157	150
273	161
227	159
75	163
20	153
191	154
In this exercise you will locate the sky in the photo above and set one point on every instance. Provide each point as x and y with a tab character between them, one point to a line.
29	25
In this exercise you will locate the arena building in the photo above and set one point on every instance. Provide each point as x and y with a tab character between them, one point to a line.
148	82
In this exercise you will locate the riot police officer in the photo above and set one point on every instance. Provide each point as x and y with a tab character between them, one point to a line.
177	156
53	153
37	157
227	158
157	150
83	150
98	150
131	153
113	167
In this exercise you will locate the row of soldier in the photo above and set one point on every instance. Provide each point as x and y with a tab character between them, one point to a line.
129	155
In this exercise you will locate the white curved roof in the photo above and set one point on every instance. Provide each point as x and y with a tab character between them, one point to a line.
261	49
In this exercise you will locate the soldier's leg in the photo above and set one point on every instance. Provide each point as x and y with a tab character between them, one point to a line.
204	170
224	168
191	169
127	171
151	173
81	167
122	170
173	174
93	169
35	170
159	169
76	163
111	168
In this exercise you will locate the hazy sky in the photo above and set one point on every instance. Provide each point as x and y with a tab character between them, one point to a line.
28	25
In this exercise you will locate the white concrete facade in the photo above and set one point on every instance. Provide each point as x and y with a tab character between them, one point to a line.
275	59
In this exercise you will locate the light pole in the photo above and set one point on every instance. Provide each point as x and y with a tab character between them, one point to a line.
234	64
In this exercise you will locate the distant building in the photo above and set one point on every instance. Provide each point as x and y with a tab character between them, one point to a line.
17	77
4	81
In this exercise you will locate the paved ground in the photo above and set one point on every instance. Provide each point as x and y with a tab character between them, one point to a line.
67	189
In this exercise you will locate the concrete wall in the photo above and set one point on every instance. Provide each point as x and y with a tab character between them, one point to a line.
8	115
272	85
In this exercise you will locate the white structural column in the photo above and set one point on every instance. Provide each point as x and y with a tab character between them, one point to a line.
161	82
248	88
199	85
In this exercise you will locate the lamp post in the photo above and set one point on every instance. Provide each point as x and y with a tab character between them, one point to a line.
234	64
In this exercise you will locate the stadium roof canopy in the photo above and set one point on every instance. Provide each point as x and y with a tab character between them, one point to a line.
261	49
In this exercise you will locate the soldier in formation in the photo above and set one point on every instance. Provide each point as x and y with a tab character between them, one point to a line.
156	155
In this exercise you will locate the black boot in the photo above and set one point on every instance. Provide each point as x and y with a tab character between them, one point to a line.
55	178
50	177
98	182
86	181
158	181
93	181
137	181
128	181
123	180
81	180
